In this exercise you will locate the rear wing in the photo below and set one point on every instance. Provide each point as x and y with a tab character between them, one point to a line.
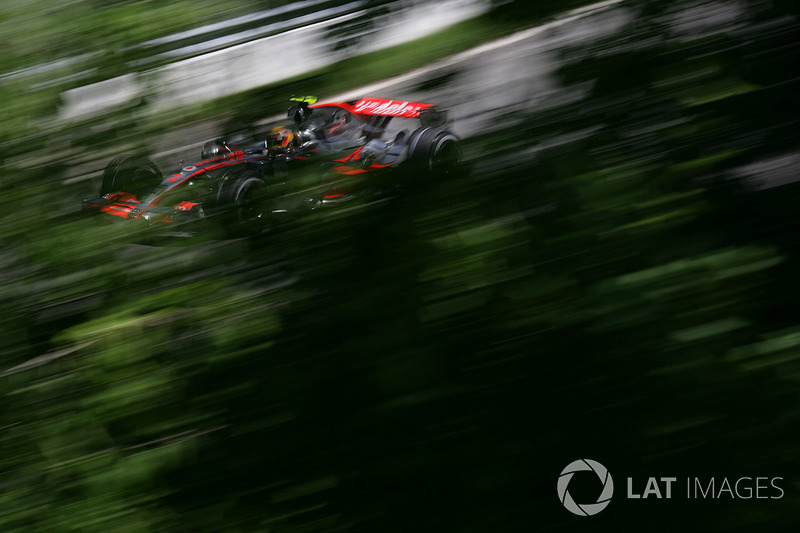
389	108
376	108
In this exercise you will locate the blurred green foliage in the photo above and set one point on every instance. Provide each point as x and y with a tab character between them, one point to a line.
39	31
431	362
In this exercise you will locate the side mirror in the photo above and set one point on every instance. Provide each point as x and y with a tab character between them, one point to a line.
212	149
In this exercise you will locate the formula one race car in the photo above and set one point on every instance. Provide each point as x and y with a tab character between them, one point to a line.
230	183
331	153
354	138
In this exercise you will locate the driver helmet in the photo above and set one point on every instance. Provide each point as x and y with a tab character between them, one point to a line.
281	140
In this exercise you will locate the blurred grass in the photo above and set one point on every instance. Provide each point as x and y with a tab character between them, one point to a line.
70	29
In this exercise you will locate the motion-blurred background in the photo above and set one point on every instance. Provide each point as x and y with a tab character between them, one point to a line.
613	276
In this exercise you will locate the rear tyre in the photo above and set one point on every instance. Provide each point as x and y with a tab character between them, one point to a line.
131	174
434	151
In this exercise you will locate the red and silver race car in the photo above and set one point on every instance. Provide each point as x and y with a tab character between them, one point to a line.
361	144
330	153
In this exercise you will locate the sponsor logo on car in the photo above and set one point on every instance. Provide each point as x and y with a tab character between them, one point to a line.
390	108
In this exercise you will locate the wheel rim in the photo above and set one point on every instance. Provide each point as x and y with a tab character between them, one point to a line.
251	207
448	156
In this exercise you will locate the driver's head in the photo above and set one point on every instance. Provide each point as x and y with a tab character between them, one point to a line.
281	141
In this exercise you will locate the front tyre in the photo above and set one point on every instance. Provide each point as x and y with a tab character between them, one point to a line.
131	174
244	201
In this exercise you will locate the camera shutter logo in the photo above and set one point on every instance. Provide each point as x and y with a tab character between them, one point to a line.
585	509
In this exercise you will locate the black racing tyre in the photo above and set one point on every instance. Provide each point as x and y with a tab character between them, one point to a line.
434	151
243	199
131	174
